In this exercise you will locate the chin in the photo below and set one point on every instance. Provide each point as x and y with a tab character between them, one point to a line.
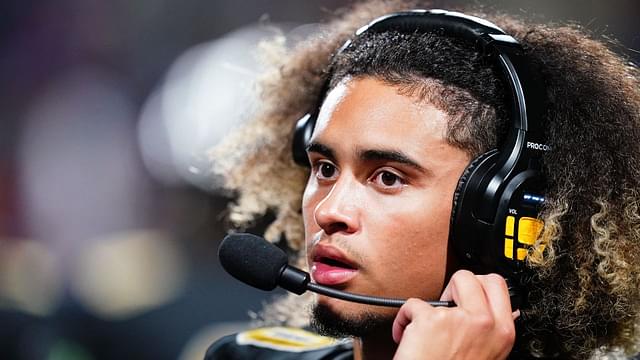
339	318
352	310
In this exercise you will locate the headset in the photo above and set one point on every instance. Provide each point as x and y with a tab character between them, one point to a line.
499	195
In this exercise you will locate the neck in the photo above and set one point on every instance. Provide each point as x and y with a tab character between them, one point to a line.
374	347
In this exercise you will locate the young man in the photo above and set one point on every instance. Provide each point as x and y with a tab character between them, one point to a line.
401	118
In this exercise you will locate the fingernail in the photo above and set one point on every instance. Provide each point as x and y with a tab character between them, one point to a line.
515	314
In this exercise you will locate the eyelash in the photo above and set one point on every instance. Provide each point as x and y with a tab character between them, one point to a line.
317	168
398	178
317	172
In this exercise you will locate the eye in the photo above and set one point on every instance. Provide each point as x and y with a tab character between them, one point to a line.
325	170
388	180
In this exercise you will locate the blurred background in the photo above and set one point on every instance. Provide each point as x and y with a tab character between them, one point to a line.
109	221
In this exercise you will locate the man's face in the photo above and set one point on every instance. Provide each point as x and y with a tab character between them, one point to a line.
378	201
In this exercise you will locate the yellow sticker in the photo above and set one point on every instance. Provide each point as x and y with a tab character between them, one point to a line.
284	339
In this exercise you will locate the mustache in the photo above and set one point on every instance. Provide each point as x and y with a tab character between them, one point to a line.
341	243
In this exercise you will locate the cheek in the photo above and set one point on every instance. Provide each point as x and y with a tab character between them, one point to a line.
310	192
415	233
310	199
420	214
306	198
307	214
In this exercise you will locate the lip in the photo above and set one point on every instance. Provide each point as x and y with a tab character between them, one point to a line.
330	266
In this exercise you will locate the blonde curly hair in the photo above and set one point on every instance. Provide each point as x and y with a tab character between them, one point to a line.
585	299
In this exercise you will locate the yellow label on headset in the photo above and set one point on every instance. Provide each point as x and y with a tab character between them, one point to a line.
529	229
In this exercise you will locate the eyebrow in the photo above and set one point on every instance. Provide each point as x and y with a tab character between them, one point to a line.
391	156
369	155
321	149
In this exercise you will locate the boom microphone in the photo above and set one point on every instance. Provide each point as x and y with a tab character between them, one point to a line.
257	262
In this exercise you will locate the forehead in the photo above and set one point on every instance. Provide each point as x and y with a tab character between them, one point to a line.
367	112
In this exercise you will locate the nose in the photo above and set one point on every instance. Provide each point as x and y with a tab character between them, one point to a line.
339	211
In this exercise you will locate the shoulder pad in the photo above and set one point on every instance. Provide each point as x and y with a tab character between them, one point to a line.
285	339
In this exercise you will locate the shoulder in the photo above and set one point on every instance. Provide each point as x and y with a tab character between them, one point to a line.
279	343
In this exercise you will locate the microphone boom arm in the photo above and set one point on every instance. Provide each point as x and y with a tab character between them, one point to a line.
298	281
365	299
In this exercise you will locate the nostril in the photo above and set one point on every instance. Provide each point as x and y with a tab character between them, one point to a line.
336	227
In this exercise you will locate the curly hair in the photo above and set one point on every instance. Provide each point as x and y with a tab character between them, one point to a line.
585	299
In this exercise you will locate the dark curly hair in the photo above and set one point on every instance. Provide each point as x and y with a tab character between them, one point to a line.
586	299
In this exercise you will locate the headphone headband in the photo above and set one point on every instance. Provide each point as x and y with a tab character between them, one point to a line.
454	23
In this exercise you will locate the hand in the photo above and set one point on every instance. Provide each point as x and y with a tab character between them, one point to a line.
481	326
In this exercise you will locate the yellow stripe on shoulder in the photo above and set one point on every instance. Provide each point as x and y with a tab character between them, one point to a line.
284	339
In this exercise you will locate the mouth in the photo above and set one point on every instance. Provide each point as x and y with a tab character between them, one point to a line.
329	266
334	263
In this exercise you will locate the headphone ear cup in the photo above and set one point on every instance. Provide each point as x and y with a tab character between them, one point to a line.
464	180
301	136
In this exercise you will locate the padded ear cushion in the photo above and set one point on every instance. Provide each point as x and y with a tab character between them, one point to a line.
464	178
301	136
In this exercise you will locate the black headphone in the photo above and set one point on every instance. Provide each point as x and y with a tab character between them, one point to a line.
495	209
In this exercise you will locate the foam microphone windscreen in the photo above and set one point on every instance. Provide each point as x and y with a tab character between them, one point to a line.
252	260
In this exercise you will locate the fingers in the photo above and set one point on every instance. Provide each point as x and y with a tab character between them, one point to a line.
465	289
486	297
515	315
497	295
478	292
406	315
480	326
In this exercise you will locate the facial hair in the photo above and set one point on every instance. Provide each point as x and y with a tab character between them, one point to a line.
329	323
